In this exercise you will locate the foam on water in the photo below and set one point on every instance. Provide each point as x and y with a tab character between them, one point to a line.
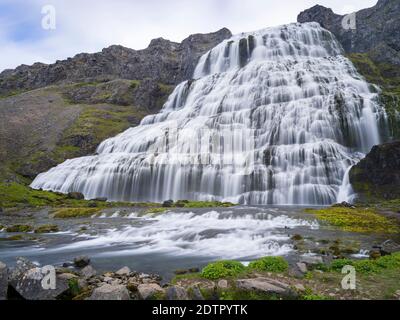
276	116
225	235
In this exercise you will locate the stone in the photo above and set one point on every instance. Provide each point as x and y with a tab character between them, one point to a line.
299	287
68	276
3	281
311	260
81	261
76	196
195	293
110	292
397	295
149	290
27	280
265	285
302	267
125	271
108	279
88	272
177	293
168	204
223	284
375	254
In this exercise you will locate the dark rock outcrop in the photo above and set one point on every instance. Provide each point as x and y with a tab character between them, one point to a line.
376	29
378	175
164	61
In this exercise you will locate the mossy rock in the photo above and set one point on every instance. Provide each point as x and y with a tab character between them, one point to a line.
48	228
19	228
70	213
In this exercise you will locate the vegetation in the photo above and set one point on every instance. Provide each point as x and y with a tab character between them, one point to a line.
270	264
48	228
222	269
364	220
19	228
68	213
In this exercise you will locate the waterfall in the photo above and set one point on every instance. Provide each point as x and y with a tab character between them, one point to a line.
276	116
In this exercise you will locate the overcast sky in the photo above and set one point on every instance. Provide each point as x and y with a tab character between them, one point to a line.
90	25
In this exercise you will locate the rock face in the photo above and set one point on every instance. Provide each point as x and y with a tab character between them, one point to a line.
376	33
265	285
3	281
378	175
166	61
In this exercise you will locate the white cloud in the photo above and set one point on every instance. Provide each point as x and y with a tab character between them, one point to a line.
89	26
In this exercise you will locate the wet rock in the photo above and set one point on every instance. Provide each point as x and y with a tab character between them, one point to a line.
110	292
375	254
125	271
265	285
1	210
34	283
3	281
343	204
68	276
180	271
177	293
168	204
88	272
149	290
100	199
387	247
76	196
81	261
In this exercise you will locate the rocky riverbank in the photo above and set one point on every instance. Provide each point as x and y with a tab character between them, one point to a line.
270	278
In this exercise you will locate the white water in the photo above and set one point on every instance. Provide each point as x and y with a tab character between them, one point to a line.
226	235
276	116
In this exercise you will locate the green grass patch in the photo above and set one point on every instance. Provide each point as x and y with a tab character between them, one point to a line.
364	220
70	213
270	264
222	269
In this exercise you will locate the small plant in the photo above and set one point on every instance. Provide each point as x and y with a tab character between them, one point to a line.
270	264
339	264
222	269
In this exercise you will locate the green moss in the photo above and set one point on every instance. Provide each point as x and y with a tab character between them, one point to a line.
156	210
48	228
17	237
19	228
68	213
202	204
270	264
222	269
74	288
363	220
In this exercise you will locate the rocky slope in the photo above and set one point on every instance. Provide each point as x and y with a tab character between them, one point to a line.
49	113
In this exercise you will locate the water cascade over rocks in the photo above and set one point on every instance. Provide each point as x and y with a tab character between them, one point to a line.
276	116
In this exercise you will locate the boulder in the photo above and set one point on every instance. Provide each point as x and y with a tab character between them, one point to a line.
177	293
76	196
125	271
311	260
302	267
88	272
110	292
30	282
222	284
265	285
81	261
168	204
3	281
387	247
148	291
195	293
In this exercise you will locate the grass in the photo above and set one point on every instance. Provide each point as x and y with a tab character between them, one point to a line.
270	264
363	220
222	269
68	213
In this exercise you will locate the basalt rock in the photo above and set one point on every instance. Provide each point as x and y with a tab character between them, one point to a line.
378	175
376	29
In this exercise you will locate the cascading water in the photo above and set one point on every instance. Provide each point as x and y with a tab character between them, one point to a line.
276	116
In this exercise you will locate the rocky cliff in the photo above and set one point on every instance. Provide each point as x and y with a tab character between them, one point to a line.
49	113
378	175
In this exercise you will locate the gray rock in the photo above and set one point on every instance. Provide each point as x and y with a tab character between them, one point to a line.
81	261
302	267
195	293
149	290
265	285
125	271
76	196
311	260
3	281
110	292
177	293
67	276
88	272
223	284
28	280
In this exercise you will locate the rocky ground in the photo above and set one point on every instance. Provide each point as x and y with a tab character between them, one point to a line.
271	278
